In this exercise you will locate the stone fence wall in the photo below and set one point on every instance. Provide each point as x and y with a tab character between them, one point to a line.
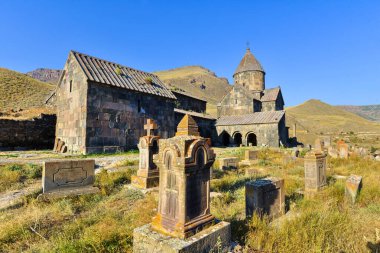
36	133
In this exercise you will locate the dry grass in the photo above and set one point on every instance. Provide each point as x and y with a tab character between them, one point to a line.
104	222
19	91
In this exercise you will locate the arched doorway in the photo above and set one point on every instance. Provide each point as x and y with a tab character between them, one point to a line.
238	139
251	139
225	138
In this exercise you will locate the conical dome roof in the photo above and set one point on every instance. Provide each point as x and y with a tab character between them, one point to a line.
249	63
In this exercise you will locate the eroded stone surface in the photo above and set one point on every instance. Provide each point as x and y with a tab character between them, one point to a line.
353	187
265	197
315	171
64	174
228	163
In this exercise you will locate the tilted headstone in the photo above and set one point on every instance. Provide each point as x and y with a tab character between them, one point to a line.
68	177
228	163
265	197
353	187
315	171
147	175
183	222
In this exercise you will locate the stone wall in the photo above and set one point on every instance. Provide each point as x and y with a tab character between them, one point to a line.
253	80
37	133
189	103
237	102
72	107
116	116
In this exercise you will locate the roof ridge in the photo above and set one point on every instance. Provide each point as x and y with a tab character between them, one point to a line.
118	64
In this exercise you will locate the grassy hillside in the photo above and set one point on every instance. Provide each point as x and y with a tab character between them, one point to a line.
197	81
19	91
315	117
370	112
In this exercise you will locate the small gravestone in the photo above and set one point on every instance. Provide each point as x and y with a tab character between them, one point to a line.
68	177
251	157
228	163
315	171
353	187
295	153
333	152
183	222
319	145
343	149
265	197
147	174
326	140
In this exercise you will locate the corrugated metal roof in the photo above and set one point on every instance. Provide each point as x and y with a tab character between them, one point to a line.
253	118
249	63
105	72
195	114
270	94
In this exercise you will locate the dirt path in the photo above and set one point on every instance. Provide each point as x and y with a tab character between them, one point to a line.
12	198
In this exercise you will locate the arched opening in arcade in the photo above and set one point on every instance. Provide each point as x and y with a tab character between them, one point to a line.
251	139
225	138
238	139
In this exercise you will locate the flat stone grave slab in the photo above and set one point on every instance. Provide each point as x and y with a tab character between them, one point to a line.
68	177
228	163
146	240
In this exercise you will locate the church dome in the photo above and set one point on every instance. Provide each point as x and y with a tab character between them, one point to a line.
249	63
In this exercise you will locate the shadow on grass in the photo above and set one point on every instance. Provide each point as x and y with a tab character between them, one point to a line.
373	247
295	196
227	186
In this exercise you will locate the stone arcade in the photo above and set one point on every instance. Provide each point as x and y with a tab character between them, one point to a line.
183	222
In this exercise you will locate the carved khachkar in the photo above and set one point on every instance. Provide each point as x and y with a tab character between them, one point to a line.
315	170
147	175
184	194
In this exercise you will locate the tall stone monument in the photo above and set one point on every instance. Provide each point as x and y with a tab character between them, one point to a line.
343	149
315	171
183	222
147	175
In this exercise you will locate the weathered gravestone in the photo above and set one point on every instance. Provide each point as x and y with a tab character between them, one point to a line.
326	140
68	177
333	152
353	187
343	149
228	163
265	197
251	157
183	222
319	145
315	171
147	175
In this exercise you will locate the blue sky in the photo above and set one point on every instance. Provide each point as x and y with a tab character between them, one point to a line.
328	50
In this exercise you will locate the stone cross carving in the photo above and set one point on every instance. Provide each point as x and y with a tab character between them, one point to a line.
150	126
147	175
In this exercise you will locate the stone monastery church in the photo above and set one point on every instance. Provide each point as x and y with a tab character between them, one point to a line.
102	107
